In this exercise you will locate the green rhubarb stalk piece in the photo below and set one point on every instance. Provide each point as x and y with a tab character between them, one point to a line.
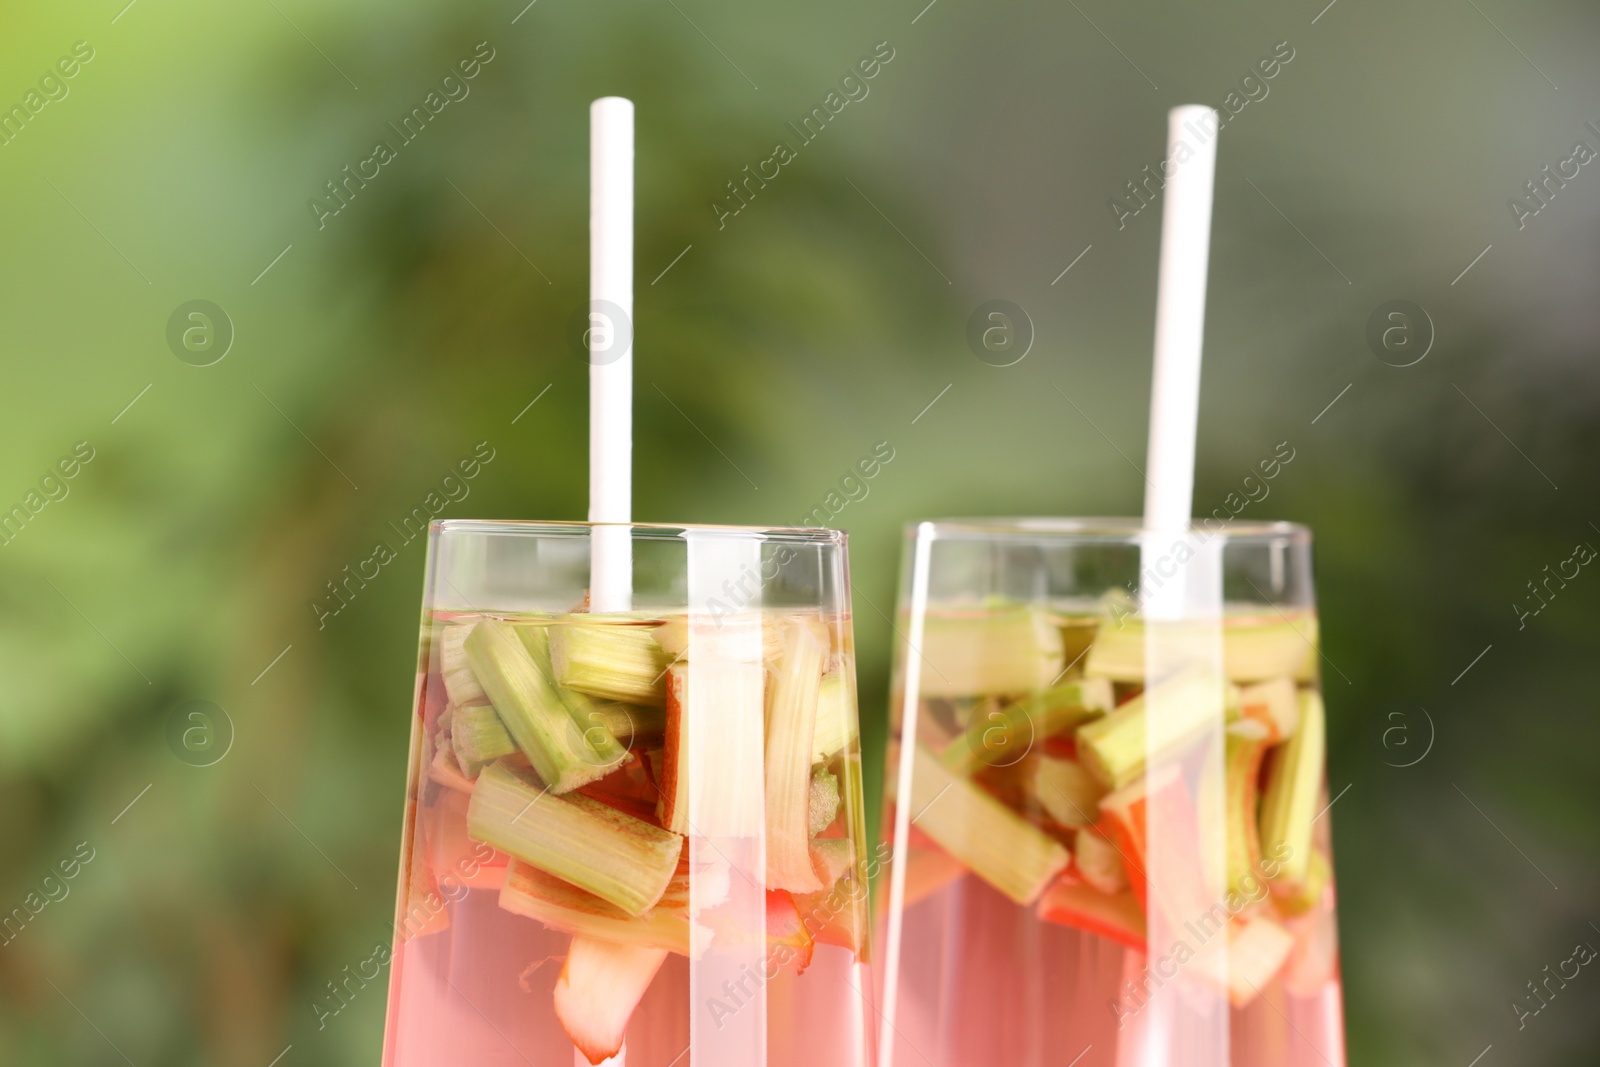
791	723
1242	772
1275	705
479	738
600	984
610	660
565	747
1077	637
1004	650
837	913
832	858
845	920
1253	649
1063	790
824	801
564	907
1293	790
994	842
1295	900
633	725
1001	737
595	847
1114	748
459	681
442	765
836	717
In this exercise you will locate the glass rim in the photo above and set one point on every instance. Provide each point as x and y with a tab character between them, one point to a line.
1124	529
650	531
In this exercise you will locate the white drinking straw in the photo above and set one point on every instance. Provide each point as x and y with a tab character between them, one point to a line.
610	342
1180	325
1185	1024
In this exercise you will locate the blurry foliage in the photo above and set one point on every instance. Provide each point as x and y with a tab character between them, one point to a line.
415	325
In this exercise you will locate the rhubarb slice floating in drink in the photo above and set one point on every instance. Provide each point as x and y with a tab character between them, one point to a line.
620	859
600	985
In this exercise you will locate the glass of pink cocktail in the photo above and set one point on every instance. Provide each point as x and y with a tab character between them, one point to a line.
633	837
1109	829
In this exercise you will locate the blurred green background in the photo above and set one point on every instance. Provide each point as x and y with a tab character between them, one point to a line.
372	353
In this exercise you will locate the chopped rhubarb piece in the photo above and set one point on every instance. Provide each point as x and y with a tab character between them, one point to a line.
832	858
459	682
775	633
837	913
610	660
564	907
1008	650
1298	898
824	801
791	718
1257	950
836	717
994	842
565	748
837	916
1097	862
1275	705
789	942
1063	790
616	857
1293	796
1180	875
629	789
1077	637
633	725
455	858
421	910
447	772
1315	959
1253	650
478	737
1114	747
713	760
1242	764
1002	736
600	985
1116	916
672	808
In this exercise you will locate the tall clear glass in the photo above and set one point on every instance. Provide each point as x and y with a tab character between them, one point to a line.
634	837
1107	801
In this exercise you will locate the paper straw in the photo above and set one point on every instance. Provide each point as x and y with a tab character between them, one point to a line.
610	339
1180	316
1180	327
1186	1021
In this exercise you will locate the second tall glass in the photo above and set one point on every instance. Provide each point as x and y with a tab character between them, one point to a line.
1107	801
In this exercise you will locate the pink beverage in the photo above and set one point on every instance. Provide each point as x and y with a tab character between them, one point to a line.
1101	862
633	838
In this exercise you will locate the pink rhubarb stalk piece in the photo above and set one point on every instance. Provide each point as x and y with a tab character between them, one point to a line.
599	987
1116	916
